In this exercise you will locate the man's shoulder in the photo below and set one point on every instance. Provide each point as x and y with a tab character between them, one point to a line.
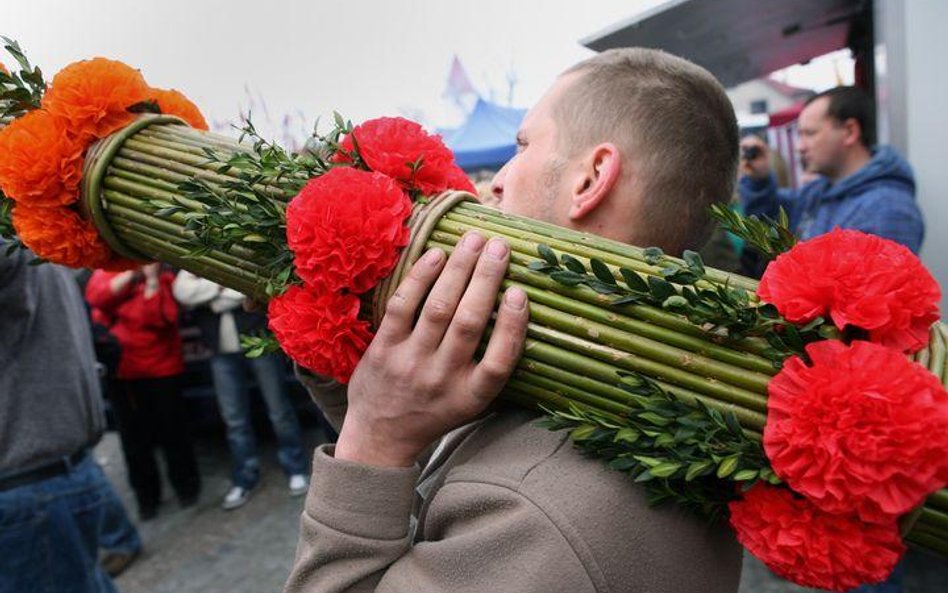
503	448
603	514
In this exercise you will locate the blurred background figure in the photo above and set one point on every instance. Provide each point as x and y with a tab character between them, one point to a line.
221	317
53	496
141	313
858	186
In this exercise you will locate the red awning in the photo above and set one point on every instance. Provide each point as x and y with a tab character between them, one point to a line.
785	116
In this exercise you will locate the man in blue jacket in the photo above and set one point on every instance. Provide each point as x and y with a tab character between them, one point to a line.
860	186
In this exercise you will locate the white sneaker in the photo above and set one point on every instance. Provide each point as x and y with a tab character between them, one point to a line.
236	497
298	485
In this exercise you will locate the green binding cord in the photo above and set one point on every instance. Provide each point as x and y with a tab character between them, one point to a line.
98	158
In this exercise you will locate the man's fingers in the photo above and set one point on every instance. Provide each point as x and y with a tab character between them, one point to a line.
505	346
401	307
442	302
474	311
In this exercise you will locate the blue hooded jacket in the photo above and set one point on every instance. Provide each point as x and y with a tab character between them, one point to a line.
878	199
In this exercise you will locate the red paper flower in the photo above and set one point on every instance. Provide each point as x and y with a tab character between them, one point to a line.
60	236
863	430
345	229
173	102
94	96
860	280
391	145
320	331
811	548
40	163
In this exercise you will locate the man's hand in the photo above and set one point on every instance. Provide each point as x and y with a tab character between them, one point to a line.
758	166
414	384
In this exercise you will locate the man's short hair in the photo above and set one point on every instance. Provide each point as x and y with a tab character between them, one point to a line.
676	123
849	102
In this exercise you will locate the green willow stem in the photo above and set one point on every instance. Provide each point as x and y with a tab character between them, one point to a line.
628	324
649	368
157	172
138	190
581	366
569	391
183	159
939	500
650	349
646	313
125	219
535	397
182	168
597	243
684	362
584	366
938	348
933	517
200	265
174	224
928	542
152	182
565	374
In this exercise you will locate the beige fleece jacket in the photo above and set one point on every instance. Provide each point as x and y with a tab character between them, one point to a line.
502	506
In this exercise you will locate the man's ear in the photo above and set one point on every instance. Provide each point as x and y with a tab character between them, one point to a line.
853	132
601	170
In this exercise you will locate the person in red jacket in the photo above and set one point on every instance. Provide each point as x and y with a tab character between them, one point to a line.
143	316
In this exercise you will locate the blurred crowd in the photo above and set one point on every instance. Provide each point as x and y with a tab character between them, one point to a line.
123	341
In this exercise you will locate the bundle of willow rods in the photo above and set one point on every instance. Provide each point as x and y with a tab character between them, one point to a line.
577	342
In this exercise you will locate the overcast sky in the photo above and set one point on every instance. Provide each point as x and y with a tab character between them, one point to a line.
306	58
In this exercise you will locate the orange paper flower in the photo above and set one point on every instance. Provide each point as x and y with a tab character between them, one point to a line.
173	102
94	96
40	162
61	236
4	69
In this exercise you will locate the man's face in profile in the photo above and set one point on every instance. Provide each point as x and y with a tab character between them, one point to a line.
532	183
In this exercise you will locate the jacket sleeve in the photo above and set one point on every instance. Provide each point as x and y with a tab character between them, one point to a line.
192	291
99	292
328	395
355	536
762	197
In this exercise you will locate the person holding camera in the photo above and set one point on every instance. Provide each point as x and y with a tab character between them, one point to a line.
148	403
858	185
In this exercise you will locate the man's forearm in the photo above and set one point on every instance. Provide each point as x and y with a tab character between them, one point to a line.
355	524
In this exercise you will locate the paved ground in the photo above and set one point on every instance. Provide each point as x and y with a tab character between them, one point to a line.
250	550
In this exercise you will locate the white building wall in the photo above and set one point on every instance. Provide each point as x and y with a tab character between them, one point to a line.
912	94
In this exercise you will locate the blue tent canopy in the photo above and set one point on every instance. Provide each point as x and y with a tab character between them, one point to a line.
488	138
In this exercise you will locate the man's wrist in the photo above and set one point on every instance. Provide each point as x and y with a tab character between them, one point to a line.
364	447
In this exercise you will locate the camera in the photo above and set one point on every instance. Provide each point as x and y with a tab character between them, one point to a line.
749	153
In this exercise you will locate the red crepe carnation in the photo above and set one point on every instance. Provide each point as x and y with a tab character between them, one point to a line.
862	430
40	163
61	236
804	545
860	280
173	102
320	331
94	96
391	145
345	229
